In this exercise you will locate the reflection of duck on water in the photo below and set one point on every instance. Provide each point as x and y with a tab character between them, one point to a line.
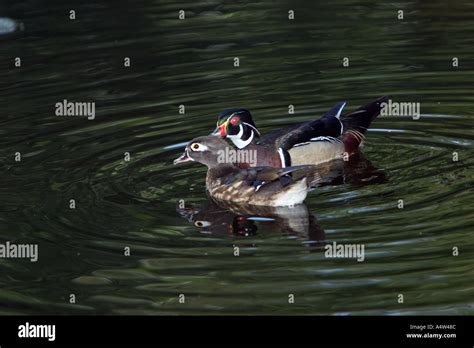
357	171
219	218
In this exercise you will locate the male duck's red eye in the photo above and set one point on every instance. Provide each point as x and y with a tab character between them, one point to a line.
234	121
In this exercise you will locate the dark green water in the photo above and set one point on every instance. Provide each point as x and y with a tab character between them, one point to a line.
132	204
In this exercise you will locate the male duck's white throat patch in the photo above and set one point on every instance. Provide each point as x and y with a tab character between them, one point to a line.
236	139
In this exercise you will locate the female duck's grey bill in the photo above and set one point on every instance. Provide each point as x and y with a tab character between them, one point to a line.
183	158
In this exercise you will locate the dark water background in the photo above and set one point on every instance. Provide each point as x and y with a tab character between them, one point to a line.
133	204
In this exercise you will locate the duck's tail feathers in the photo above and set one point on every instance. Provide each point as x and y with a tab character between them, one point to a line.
361	119
357	122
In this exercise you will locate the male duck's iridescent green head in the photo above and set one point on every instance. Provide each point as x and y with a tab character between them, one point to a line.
236	125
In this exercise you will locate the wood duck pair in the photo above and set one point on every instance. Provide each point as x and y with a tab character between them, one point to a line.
283	171
313	142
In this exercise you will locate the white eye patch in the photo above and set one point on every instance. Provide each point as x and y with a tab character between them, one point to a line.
198	147
201	223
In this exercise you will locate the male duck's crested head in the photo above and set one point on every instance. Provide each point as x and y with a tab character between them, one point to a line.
207	150
237	125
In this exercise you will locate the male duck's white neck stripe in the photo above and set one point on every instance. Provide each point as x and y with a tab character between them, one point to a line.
236	139
248	124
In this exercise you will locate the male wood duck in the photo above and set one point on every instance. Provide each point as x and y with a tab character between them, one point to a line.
256	186
312	142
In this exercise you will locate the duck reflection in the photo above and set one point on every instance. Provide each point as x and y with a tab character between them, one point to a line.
219	218
356	171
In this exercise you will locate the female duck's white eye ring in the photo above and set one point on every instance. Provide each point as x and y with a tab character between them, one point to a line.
198	147
201	223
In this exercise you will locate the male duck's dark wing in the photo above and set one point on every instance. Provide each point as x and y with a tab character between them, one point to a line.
329	126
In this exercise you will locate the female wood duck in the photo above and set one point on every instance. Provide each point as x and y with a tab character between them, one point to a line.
257	186
311	142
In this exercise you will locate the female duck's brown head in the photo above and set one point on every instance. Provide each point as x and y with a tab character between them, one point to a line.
207	150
